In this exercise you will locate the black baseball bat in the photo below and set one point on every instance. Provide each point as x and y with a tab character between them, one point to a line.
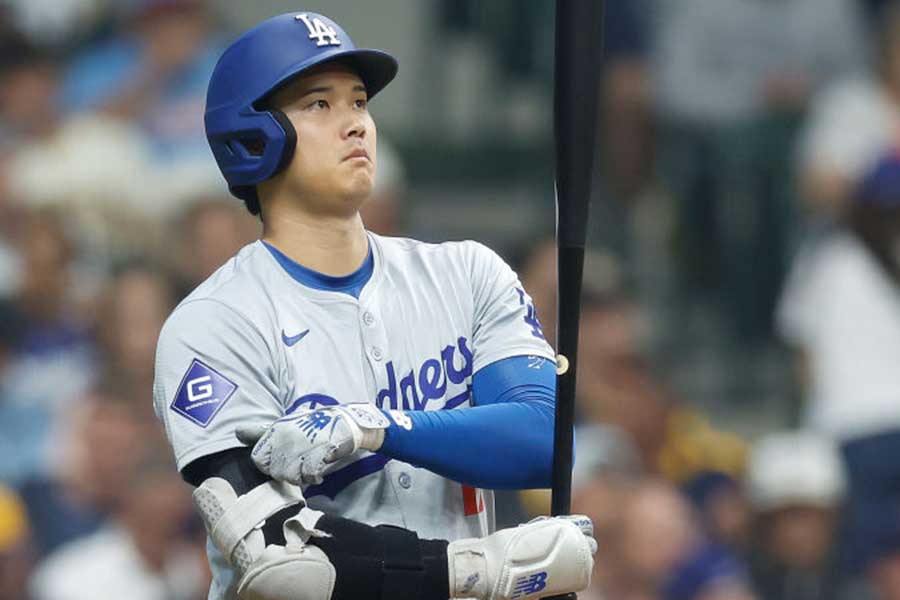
579	42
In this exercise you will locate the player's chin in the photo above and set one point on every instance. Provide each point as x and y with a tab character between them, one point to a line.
359	182
353	194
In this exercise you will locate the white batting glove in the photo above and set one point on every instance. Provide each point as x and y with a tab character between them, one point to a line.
544	557
299	447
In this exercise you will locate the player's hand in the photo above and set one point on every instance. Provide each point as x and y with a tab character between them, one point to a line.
544	557
299	447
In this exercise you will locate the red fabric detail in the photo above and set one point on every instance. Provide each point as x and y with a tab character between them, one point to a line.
473	500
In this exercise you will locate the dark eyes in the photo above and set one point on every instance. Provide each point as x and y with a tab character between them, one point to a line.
322	104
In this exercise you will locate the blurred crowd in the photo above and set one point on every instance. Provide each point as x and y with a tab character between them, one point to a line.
749	173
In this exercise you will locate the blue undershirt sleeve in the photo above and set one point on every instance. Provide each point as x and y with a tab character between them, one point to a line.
505	441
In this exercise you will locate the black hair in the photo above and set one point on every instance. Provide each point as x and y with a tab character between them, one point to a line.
248	194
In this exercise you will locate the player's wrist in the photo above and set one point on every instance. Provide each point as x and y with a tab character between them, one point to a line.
370	423
466	569
372	439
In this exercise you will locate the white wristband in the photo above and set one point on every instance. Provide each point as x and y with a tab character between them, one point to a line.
371	422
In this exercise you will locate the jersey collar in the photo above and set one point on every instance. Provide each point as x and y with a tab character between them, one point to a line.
351	284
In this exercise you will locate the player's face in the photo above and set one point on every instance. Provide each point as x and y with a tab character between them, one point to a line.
333	169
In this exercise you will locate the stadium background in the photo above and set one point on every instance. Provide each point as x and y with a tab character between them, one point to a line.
716	460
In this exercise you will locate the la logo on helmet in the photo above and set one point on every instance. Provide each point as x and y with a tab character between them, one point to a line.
319	31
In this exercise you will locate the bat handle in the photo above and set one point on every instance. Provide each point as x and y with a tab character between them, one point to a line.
569	596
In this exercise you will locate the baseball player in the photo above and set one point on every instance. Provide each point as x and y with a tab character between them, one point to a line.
327	379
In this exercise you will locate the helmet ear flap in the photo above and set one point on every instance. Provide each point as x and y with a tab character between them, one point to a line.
290	139
250	146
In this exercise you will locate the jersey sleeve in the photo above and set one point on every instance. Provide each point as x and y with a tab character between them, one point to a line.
505	320
214	371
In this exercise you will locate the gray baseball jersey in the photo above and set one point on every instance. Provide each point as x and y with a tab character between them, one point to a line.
252	344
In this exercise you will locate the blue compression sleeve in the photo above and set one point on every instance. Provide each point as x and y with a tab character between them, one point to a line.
504	442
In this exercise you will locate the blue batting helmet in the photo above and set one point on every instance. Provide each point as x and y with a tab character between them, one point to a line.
252	143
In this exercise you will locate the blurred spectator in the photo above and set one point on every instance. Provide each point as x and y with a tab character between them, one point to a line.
796	484
383	212
658	553
45	297
10	261
100	177
54	22
841	310
882	559
603	450
626	125
721	62
92	469
876	9
209	233
155	74
52	362
9	337
151	551
133	308
535	263
614	384
28	102
852	125
606	470
734	77
162	62
15	547
619	385
722	509
709	573
655	534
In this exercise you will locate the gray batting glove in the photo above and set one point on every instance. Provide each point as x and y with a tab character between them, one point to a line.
299	448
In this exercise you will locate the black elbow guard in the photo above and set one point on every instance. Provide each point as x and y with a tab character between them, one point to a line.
384	562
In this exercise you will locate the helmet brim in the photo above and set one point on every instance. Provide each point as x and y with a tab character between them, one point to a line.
375	67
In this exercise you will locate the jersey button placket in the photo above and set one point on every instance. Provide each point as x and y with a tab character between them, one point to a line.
404	480
375	341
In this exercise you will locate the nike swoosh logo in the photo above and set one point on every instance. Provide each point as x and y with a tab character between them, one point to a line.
290	341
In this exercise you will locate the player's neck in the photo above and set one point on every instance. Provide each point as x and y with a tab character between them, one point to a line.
330	245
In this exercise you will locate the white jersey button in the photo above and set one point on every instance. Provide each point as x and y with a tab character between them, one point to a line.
405	480
376	353
368	318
